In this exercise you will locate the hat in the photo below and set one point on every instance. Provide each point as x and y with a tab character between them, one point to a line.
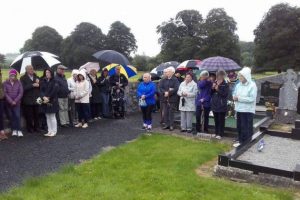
204	73
61	67
13	72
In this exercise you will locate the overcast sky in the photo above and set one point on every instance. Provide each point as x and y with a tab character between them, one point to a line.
20	18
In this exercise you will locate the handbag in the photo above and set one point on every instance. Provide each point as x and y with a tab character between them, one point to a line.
142	103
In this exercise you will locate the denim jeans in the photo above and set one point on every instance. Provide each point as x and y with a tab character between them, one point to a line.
14	113
83	110
105	104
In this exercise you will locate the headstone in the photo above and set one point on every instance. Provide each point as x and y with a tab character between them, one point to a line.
288	99
270	92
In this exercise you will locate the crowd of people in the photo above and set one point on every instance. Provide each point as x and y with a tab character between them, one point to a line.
53	101
199	98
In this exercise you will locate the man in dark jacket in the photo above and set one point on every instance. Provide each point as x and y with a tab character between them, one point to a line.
63	94
118	79
168	88
31	85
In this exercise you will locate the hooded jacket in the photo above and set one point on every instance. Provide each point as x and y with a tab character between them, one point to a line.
204	92
72	83
246	93
81	91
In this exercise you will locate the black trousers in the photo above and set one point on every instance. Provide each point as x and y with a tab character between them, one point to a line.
219	118
31	114
244	126
168	111
95	110
147	114
199	111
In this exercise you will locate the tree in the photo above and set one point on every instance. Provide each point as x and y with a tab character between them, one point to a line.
85	40
2	59
120	38
220	38
44	38
141	62
247	53
277	39
181	36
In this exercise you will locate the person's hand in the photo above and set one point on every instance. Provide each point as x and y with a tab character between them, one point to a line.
202	100
166	94
45	99
184	94
235	98
120	85
13	103
143	97
36	85
37	81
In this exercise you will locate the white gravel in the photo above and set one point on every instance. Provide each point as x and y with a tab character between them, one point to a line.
279	153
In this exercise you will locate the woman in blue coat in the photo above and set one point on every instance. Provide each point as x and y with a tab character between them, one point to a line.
146	95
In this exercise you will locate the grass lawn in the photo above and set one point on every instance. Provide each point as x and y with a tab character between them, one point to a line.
153	167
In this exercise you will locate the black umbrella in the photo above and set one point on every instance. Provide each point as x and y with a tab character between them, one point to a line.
38	59
111	56
165	65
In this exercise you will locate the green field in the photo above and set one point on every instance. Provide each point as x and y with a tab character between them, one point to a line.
156	167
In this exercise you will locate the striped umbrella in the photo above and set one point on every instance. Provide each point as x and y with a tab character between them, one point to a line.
38	59
127	70
213	64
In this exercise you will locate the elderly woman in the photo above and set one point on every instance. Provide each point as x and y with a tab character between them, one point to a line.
13	91
244	97
187	92
220	91
146	95
168	88
203	102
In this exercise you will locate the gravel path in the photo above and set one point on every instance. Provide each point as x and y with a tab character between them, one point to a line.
279	153
36	155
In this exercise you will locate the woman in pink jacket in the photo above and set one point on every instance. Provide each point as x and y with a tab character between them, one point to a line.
13	92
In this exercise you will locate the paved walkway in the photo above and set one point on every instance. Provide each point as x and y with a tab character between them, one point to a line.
36	155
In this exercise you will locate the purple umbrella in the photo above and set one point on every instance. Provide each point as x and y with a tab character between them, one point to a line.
213	64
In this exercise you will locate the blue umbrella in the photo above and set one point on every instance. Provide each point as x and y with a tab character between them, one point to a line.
213	64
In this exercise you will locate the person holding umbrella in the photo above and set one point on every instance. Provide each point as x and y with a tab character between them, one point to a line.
220	92
49	101
63	94
203	102
118	79
168	88
31	85
13	91
146	95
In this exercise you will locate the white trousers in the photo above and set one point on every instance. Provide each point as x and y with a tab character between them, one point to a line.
51	123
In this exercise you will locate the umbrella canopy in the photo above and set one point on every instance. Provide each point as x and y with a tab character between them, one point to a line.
165	65
111	56
38	59
154	71
127	70
90	66
189	64
213	64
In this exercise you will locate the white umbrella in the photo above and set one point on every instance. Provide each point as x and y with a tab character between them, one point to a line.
90	66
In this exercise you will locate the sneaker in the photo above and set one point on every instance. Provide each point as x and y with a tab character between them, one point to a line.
52	135
218	137
183	130
15	133
199	134
99	118
85	125
171	128
78	125
96	118
213	135
189	131
47	134
20	134
237	144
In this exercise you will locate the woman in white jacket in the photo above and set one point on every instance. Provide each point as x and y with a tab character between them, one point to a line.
187	92
71	86
82	99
